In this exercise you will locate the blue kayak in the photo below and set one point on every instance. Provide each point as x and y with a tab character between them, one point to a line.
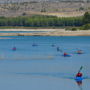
78	79
67	55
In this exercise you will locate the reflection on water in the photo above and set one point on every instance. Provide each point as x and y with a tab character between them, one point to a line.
80	85
27	58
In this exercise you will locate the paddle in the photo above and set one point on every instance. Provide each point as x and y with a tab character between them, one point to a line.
80	69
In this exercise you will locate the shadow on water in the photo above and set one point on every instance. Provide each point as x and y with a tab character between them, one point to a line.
79	83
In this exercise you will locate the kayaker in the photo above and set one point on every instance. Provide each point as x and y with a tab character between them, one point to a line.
79	74
79	77
34	44
14	48
58	49
79	52
65	54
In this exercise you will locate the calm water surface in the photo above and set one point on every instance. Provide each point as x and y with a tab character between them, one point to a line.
36	64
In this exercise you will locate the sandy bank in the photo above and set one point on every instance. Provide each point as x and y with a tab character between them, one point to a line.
5	38
28	29
51	32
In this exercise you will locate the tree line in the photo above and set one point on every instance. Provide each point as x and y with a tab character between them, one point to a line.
45	21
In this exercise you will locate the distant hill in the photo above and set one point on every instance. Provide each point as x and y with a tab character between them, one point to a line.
60	9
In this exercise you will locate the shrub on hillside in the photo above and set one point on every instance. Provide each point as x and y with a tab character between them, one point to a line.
71	29
86	27
74	29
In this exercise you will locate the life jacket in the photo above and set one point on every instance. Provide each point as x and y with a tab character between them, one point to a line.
65	54
79	75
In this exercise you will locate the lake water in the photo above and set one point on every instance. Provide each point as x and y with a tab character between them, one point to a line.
37	65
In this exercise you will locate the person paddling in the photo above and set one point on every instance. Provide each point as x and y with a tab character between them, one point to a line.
66	54
79	74
79	77
14	48
79	52
58	49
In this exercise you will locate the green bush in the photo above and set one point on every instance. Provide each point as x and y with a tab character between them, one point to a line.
74	29
86	27
81	8
71	29
67	28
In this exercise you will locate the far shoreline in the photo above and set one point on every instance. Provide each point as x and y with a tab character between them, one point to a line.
49	32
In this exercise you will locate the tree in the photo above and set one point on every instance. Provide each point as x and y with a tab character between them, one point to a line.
86	18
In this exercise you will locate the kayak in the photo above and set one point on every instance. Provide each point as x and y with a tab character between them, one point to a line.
67	55
78	79
14	48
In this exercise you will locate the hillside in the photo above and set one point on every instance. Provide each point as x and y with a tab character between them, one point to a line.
61	9
9	1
